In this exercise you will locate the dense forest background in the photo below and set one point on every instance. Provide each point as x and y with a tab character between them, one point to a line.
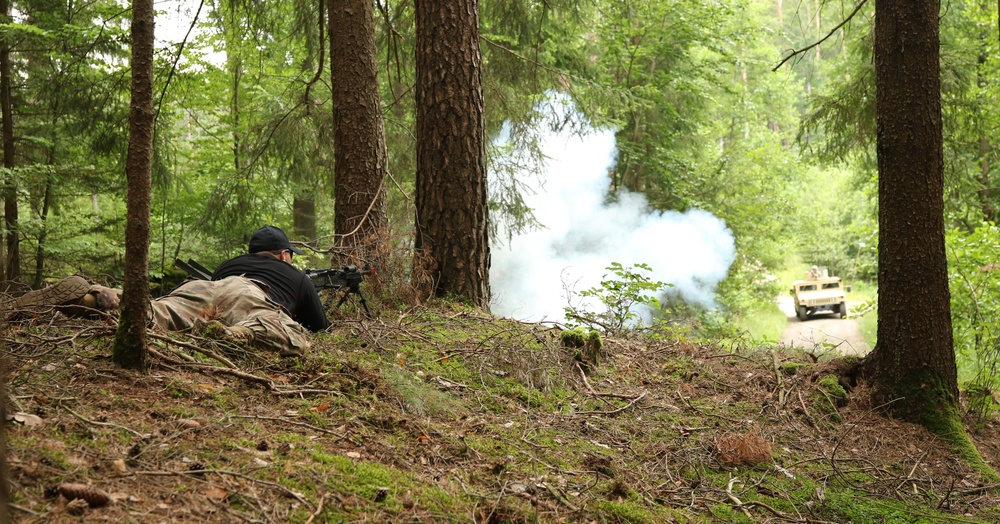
759	112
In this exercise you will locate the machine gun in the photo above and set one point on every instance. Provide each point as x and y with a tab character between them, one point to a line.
348	277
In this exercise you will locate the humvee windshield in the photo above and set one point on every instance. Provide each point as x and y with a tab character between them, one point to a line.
831	285
810	287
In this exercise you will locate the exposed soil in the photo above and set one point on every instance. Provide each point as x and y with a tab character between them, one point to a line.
450	416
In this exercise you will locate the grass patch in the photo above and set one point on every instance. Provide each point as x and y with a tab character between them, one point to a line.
420	397
862	300
765	323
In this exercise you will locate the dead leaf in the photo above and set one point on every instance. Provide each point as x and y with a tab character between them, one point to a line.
188	423
216	494
322	407
25	419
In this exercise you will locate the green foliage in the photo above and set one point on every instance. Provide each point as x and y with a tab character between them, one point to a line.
622	296
974	281
748	295
836	228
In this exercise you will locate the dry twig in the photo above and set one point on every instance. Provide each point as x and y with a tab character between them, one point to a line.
104	424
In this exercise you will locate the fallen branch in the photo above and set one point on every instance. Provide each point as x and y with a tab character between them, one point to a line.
560	497
806	411
705	413
267	383
612	412
291	423
595	393
210	354
242	375
297	496
26	510
299	392
737	503
912	471
319	509
104	424
782	392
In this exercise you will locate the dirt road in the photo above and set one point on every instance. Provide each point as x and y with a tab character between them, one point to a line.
821	333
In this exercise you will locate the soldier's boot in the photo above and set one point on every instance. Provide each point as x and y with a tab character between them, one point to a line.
67	290
99	302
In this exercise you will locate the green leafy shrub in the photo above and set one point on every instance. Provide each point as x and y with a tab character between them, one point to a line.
623	296
974	280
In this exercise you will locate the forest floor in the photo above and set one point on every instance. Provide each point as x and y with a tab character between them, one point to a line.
448	415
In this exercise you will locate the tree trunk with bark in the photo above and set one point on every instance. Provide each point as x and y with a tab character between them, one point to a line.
452	255
985	147
4	470
912	368
130	349
304	215
11	268
361	160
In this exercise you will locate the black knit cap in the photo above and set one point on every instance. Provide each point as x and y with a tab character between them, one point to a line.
270	238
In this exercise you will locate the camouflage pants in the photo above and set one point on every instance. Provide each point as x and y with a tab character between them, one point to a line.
232	301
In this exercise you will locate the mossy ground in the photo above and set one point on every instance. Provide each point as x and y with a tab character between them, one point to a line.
447	415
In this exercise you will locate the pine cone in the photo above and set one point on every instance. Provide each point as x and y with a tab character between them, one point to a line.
95	497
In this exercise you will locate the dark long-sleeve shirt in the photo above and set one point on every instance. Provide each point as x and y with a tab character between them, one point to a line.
286	285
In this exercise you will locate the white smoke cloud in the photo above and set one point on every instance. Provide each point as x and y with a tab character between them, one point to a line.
584	233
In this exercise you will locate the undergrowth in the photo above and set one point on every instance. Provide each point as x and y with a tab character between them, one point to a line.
444	414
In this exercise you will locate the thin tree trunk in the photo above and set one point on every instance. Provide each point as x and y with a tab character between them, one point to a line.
10	268
130	349
43	233
985	196
304	216
985	148
4	471
234	64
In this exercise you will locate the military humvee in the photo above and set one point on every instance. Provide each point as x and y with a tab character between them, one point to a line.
821	294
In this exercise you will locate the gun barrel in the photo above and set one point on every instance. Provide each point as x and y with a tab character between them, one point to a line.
194	269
